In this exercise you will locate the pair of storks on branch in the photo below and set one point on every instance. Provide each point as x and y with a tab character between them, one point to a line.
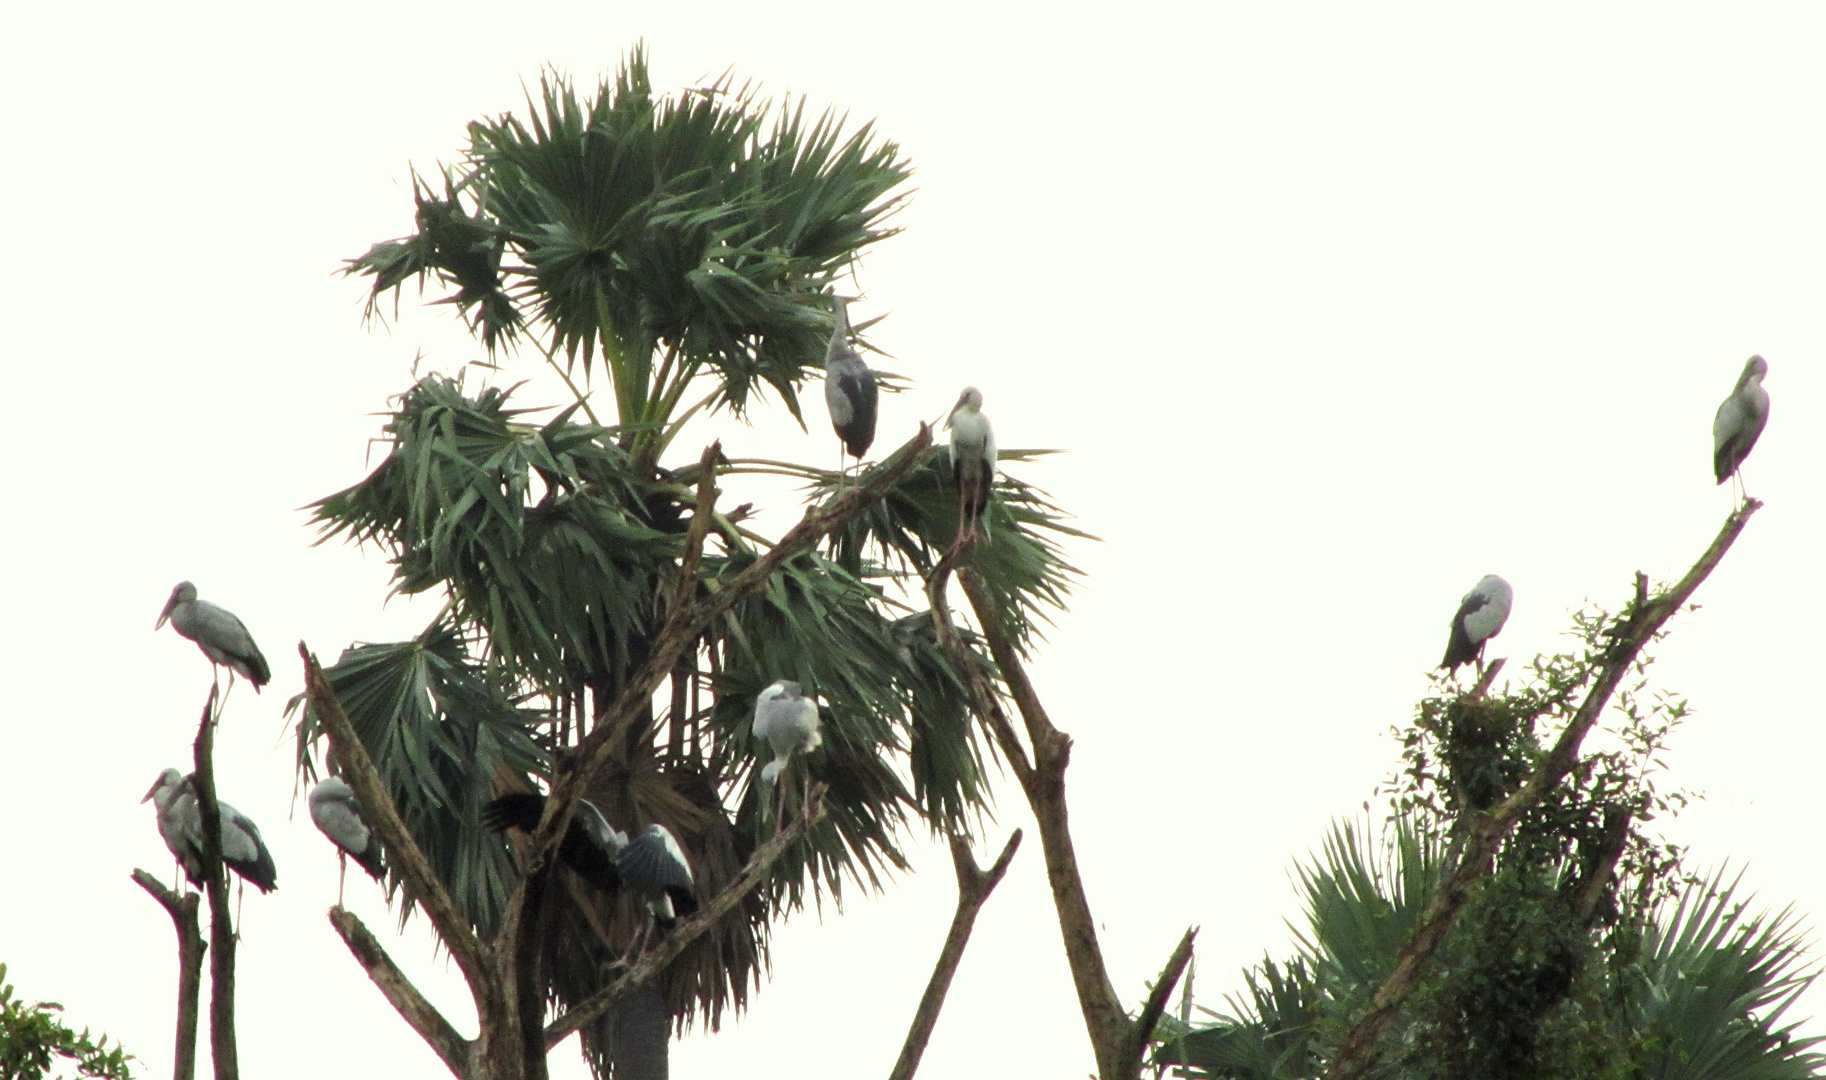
1735	428
851	393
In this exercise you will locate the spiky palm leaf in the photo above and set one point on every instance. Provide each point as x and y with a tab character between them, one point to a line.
1711	988
689	242
442	734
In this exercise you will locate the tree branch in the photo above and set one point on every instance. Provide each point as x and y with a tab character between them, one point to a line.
1104	1018
688	930
403	852
191	947
450	1047
215	878
1640	624
1156	1003
700	526
973	889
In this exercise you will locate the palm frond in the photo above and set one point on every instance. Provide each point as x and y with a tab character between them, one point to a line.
442	734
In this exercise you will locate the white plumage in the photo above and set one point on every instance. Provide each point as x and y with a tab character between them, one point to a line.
338	816
180	824
786	720
973	460
1740	419
217	632
1480	617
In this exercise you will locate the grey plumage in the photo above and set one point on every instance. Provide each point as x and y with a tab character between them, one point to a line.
1480	617
973	460
850	390
654	866
786	720
337	815
1740	419
180	823
217	632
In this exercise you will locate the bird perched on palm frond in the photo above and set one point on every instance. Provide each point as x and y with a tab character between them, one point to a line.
217	632
786	720
337	815
1481	615
1740	420
590	845
180	824
850	390
973	462
654	866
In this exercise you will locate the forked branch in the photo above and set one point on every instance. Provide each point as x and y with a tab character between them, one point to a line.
1641	623
973	888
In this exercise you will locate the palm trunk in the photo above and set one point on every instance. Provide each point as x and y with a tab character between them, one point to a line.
637	1036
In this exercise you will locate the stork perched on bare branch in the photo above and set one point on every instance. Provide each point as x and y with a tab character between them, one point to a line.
1740	420
217	632
338	816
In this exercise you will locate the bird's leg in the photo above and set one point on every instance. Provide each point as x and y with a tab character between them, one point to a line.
240	890
342	870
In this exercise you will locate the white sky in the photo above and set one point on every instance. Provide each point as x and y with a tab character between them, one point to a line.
1335	311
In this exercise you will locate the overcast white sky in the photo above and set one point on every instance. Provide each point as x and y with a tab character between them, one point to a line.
1336	311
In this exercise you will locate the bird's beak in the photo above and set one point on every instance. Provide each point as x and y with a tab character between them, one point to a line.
165	614
153	790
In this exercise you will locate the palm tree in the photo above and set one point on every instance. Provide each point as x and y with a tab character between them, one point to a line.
1696	988
685	249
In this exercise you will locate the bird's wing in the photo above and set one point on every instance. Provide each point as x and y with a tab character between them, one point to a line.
227	641
342	823
515	810
653	863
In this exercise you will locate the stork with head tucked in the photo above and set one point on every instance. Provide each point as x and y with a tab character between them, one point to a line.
786	720
218	633
1481	615
973	462
590	844
180	823
338	816
850	389
1740	420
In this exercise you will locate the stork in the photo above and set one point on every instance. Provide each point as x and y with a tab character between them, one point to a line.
972	462
850	390
590	844
655	868
218	633
338	816
786	720
180	823
1740	420
1480	617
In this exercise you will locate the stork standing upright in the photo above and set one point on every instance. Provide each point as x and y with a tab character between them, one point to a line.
1481	615
217	632
590	844
973	462
1740	420
850	390
180	823
786	720
338	816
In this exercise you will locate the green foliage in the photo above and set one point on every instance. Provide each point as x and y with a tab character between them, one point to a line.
441	730
1560	965
690	243
688	226
31	1036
